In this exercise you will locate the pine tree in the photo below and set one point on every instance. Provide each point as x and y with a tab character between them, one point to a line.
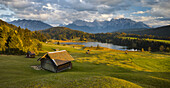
58	43
39	46
167	49
82	38
149	49
15	45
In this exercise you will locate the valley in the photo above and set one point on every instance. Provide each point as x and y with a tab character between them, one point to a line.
84	44
100	68
108	63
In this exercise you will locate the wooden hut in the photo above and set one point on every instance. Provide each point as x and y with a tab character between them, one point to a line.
56	61
30	54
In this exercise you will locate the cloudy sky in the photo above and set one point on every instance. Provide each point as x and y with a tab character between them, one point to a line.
152	12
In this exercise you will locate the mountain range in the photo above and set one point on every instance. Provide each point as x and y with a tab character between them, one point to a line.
106	26
31	24
140	29
90	27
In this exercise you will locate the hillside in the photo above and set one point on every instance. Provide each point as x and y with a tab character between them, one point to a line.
160	31
100	69
63	33
31	24
15	40
106	26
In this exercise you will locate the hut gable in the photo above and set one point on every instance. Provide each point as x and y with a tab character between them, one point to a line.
56	61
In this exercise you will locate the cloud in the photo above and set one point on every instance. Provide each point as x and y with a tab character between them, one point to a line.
159	8
2	16
57	12
143	18
159	13
157	23
64	11
2	7
16	4
7	18
150	20
78	5
140	12
163	19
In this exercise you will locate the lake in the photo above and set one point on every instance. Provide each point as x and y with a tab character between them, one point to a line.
107	45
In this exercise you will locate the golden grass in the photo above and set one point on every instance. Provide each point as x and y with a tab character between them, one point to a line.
147	39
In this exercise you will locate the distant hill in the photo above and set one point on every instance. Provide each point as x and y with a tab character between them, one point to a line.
62	33
131	30
31	24
106	26
160	31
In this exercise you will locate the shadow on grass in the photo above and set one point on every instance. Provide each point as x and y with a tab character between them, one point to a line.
146	79
165	53
13	51
142	78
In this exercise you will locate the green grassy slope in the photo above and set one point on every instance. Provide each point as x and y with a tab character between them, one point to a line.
147	39
98	69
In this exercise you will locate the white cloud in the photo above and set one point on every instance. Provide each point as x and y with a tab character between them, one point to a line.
55	15
150	20
157	23
143	18
66	11
141	12
159	8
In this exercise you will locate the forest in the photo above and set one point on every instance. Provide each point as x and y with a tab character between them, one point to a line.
15	40
63	33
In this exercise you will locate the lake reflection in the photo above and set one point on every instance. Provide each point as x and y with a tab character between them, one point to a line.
107	45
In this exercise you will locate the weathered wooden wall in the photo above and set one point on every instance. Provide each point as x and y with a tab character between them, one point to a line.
48	65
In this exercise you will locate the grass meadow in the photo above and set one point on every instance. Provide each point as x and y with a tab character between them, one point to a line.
100	69
147	39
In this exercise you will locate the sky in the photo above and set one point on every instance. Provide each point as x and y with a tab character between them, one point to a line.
56	12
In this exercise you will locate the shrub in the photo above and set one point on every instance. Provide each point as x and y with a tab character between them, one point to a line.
142	50
161	48
98	47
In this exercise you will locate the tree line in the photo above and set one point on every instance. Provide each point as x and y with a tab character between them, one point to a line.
139	43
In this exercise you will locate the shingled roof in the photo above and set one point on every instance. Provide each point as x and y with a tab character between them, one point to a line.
59	57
